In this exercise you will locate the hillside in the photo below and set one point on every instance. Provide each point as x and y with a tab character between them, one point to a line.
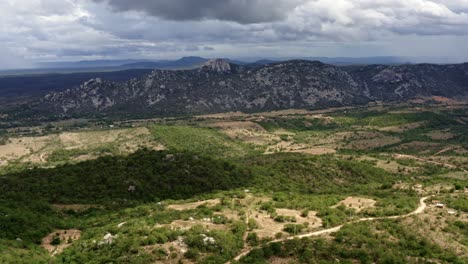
42	84
220	86
271	187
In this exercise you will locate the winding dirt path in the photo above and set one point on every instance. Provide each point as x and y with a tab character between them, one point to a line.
450	166
420	209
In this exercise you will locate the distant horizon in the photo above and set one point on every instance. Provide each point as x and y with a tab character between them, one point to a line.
338	60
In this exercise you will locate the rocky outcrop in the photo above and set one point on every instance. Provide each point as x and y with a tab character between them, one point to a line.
218	65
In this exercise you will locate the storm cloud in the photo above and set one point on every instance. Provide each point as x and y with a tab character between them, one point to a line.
241	11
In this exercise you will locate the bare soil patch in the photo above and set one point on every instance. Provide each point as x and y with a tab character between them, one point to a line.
283	132
440	135
420	146
285	146
79	140
193	205
20	147
38	149
316	151
278	260
370	140
186	225
402	128
246	131
66	237
268	227
357	203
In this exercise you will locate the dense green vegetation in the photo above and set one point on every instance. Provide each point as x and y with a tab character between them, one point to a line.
144	175
116	181
200	140
317	174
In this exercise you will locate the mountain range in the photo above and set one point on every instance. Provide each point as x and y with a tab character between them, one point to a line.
191	62
221	86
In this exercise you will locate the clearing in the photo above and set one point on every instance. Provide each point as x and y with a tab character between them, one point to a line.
357	203
59	240
268	227
193	205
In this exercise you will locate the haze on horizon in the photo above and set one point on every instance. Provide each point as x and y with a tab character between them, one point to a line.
69	30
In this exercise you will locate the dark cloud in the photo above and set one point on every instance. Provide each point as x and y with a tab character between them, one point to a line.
241	11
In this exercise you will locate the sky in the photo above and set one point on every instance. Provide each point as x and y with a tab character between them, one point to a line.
32	31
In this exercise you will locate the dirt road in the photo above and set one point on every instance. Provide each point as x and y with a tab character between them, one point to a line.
420	209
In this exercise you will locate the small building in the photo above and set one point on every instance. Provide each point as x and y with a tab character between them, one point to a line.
440	205
436	202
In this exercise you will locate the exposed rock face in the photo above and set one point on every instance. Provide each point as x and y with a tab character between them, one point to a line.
219	86
218	65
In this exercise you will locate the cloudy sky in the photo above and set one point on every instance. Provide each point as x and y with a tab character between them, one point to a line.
65	30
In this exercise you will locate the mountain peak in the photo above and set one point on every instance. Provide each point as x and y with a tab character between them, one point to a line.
218	65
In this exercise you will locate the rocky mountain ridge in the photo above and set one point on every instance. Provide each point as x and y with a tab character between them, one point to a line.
220	86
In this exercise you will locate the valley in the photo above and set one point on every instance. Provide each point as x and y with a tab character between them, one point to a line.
237	187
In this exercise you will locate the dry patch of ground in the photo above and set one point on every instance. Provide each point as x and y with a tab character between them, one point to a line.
230	214
20	147
80	140
281	132
402	128
38	149
440	135
402	186
278	260
64	238
240	125
369	140
291	145
187	225
440	187
420	146
316	151
285	146
193	205
268	227
247	131
357	203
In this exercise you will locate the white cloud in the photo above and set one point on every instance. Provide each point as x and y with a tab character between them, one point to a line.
84	29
